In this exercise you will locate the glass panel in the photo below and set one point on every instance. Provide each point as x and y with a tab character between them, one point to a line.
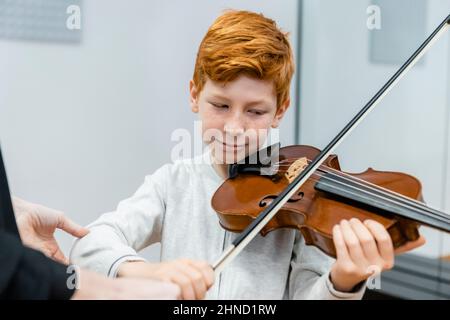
344	61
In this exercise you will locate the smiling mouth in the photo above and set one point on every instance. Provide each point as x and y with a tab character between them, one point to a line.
232	146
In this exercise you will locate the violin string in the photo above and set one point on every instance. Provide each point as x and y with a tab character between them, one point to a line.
368	193
380	189
439	218
388	193
397	198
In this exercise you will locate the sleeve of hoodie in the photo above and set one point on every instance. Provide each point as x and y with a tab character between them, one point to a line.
117	236
310	275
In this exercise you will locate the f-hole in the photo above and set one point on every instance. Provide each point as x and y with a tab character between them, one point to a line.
266	200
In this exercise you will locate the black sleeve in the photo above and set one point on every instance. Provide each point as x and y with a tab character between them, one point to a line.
28	274
7	218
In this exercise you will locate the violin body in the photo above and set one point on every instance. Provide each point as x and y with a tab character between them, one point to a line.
313	212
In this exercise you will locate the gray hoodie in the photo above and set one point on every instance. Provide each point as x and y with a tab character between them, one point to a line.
173	207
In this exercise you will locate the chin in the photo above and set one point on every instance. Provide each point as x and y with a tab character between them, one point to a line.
229	156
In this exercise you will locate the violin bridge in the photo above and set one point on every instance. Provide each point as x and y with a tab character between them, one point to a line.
296	168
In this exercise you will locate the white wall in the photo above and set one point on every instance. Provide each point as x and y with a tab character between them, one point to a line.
80	125
408	130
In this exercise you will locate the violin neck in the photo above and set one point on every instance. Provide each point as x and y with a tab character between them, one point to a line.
385	200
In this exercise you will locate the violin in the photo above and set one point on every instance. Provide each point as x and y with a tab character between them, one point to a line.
393	199
305	189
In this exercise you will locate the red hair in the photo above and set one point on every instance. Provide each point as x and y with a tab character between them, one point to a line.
243	42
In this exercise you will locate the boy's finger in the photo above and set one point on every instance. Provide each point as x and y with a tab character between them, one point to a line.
410	245
196	279
187	291
383	240
339	244
206	270
366	240
352	243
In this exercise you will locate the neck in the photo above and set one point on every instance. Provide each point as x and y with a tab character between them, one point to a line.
221	169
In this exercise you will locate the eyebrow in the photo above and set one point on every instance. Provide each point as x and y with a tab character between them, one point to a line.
251	103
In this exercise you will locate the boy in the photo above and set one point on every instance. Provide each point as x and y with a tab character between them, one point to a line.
241	84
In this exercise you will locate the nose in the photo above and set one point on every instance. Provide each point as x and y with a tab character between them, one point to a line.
235	125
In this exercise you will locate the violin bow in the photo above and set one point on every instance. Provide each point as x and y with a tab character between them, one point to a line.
269	212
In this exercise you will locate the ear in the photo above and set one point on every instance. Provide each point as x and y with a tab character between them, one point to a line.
280	113
193	99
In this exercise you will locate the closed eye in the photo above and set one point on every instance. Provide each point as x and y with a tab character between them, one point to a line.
257	112
219	106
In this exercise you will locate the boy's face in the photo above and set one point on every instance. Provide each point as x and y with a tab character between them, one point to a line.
237	116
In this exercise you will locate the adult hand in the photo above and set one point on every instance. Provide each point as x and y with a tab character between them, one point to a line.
37	225
93	286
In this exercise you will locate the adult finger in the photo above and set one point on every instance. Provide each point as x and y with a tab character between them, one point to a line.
60	257
67	225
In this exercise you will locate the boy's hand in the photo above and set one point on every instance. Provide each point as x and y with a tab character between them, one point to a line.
362	249
193	277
